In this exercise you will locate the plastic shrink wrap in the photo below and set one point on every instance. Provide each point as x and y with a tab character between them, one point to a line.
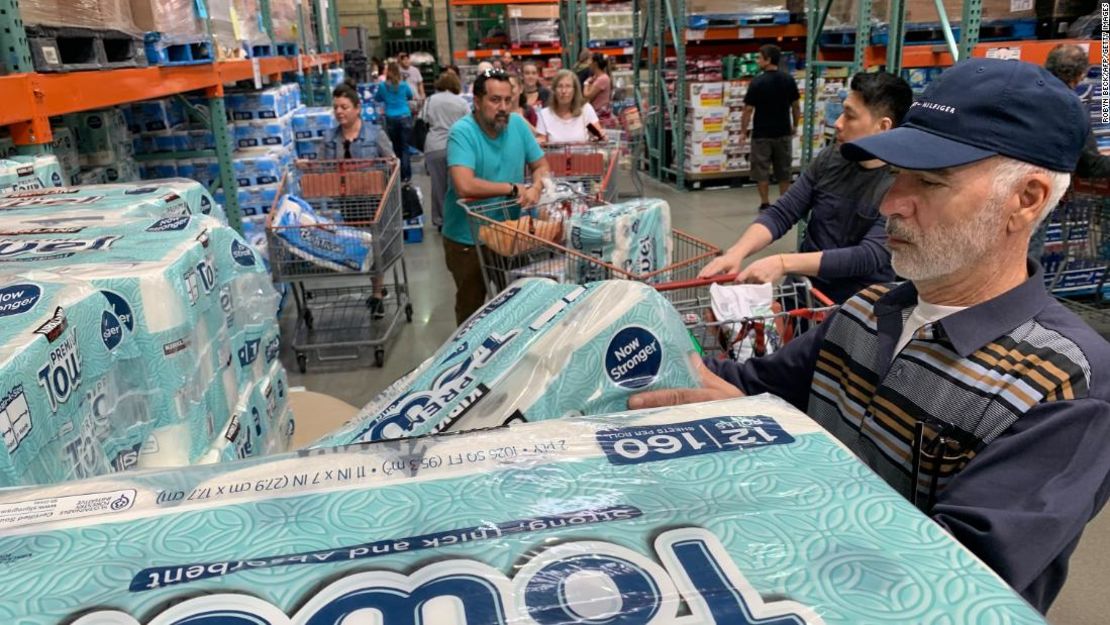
731	512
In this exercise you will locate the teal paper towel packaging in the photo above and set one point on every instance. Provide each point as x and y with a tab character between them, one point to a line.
724	513
539	350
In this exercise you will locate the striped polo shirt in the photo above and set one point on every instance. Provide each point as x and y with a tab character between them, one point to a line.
995	420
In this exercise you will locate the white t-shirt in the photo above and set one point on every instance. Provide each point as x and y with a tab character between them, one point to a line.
923	314
414	78
559	130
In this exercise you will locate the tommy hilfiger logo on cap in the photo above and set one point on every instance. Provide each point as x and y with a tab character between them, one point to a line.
943	108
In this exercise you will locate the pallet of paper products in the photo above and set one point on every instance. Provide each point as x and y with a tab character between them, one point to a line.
138	331
700	514
539	350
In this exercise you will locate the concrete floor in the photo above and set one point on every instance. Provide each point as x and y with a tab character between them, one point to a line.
718	216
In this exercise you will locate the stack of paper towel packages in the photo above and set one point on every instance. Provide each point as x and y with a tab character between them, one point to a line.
539	350
138	331
703	514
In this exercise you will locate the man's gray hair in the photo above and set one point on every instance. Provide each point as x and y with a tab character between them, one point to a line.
1068	62
1009	172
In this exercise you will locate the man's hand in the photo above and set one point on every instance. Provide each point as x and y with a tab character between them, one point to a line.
530	196
770	269
712	388
724	264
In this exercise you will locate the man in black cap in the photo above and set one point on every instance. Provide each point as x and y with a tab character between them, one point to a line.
969	389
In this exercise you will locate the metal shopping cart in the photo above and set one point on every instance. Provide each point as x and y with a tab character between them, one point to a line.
1076	251
515	243
589	168
796	307
337	266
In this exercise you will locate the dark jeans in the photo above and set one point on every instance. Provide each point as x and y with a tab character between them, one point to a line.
400	133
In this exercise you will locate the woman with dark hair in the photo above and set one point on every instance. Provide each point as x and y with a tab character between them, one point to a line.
394	95
598	89
441	112
357	139
354	138
537	95
520	103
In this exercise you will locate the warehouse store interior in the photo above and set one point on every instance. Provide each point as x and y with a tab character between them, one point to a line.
534	311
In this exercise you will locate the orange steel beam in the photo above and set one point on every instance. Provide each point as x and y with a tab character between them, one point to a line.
29	100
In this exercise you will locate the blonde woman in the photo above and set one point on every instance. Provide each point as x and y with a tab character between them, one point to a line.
569	118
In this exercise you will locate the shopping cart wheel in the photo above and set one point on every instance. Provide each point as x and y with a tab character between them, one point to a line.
408	312
379	357
302	363
308	321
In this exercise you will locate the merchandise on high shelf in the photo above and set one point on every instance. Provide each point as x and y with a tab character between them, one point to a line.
139	331
706	513
104	147
311	126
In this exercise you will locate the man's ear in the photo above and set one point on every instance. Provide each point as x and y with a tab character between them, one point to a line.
1032	195
885	124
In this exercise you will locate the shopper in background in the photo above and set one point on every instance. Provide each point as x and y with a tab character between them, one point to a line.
970	389
598	89
509	65
1070	63
485	154
845	242
569	119
395	96
356	139
773	98
537	95
483	67
520	103
584	67
441	111
412	76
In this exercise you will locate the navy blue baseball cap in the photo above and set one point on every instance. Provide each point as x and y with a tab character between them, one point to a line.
981	108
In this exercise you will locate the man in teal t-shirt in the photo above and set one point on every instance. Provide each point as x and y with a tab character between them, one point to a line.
486	155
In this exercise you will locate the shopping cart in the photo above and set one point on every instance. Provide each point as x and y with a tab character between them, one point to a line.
1076	251
337	266
587	167
795	308
515	243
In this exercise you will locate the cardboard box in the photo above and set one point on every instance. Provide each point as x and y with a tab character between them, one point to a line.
533	11
707	123
706	112
702	94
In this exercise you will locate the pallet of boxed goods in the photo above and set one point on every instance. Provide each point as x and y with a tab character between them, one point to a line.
67	36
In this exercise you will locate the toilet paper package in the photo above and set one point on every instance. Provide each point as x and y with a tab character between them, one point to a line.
313	122
733	512
633	236
310	236
260	425
262	166
153	198
73	397
194	293
265	132
539	350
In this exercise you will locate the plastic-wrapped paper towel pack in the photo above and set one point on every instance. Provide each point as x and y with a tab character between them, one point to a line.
539	350
186	294
633	236
710	513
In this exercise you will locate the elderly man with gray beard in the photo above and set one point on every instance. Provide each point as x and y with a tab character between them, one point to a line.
969	389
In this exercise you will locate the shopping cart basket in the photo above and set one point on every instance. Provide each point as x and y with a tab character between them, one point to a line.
516	243
337	256
795	308
589	167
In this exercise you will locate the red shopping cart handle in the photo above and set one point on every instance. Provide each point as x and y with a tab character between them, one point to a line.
728	278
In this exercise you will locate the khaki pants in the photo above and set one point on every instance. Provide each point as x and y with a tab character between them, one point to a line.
466	269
